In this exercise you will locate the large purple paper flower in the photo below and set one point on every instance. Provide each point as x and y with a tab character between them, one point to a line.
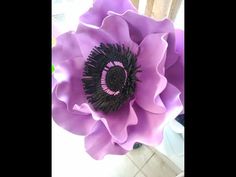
118	79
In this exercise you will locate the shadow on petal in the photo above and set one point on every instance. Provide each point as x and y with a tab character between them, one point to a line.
149	129
118	122
175	71
151	59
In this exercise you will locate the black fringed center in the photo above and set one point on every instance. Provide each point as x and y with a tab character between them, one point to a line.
115	78
109	77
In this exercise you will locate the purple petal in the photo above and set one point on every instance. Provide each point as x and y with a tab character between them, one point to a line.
90	37
140	26
118	28
67	47
151	59
138	32
171	98
117	122
175	71
96	14
113	30
88	109
70	87
72	122
149	129
179	36
99	143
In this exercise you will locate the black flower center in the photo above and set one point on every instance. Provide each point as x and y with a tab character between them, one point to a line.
109	77
115	78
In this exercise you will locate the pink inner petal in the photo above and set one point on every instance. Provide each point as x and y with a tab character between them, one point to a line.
119	30
140	26
153	82
117	122
90	37
149	129
98	12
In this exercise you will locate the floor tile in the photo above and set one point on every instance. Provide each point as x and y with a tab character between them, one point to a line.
140	174
168	162
140	156
153	149
156	167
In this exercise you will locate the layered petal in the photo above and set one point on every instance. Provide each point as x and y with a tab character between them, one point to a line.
96	14
118	28
138	32
69	87
171	99
140	26
175	71
99	143
72	122
91	37
118	122
152	81
67	47
114	30
149	129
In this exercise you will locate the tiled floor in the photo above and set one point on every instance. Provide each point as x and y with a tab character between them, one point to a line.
151	163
